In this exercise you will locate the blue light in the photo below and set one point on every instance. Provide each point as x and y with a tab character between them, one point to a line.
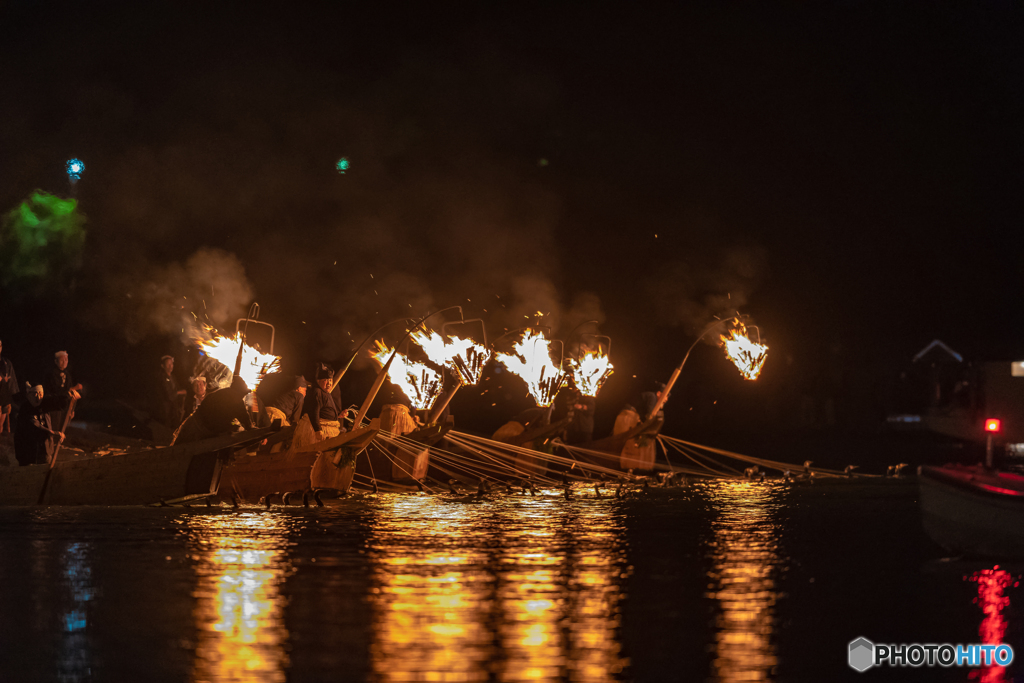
342	165
75	168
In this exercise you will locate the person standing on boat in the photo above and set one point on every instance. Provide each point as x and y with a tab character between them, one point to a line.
320	415
581	427
639	410
217	414
288	406
8	390
169	398
58	382
195	397
646	401
36	438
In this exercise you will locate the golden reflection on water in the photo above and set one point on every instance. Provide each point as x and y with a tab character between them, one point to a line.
517	589
239	612
745	553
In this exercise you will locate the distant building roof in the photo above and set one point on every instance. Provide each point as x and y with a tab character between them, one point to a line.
939	346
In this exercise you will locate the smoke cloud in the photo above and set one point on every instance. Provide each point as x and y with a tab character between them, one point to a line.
690	294
141	298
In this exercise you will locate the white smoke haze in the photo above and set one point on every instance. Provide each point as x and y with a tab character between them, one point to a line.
142	299
691	295
431	212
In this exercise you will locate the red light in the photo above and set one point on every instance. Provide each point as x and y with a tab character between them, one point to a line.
993	425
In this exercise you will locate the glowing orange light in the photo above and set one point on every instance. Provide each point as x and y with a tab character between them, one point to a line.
418	381
532	362
255	364
993	425
590	372
747	355
464	356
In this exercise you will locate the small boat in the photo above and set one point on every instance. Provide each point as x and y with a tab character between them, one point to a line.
171	474
328	464
973	510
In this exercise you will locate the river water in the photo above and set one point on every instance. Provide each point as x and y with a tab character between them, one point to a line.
718	581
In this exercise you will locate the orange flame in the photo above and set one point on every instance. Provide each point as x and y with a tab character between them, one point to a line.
418	381
224	350
748	356
532	362
464	356
590	372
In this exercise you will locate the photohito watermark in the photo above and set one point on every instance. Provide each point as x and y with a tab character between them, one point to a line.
864	654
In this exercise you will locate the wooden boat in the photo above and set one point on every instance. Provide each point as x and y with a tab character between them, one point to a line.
630	447
328	464
973	510
535	436
174	473
407	464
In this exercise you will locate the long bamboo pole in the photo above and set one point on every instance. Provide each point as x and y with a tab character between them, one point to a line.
53	460
675	373
442	404
384	371
381	376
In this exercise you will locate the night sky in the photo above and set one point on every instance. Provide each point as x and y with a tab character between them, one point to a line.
846	173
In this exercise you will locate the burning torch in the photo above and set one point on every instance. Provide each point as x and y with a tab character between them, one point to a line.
382	375
748	357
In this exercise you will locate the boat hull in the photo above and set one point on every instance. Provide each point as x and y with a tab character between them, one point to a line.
322	465
973	512
186	471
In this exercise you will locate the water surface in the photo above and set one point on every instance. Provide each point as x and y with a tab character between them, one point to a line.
720	581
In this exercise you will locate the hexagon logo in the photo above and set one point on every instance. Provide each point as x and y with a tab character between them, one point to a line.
862	654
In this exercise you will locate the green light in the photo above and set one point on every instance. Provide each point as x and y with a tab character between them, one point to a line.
342	165
41	242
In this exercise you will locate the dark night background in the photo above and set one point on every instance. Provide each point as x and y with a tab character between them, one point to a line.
845	172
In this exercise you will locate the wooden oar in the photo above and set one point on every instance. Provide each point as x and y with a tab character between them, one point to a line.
53	460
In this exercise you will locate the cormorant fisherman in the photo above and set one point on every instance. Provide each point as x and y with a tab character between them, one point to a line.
581	428
288	406
639	410
196	396
58	382
645	403
216	414
8	390
36	437
320	415
169	398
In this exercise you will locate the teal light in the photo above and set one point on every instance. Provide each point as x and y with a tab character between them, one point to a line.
342	165
75	168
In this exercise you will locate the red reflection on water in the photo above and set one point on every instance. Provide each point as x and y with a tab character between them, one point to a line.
992	601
